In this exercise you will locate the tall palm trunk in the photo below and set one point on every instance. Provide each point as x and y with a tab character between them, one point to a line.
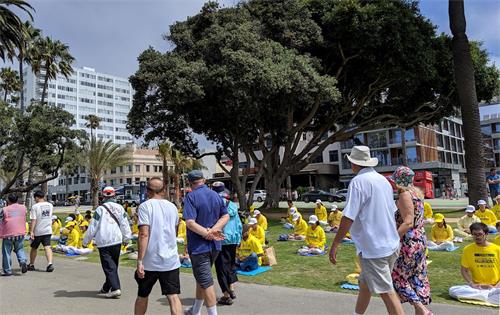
45	83
94	188
21	78
166	178
466	87
177	185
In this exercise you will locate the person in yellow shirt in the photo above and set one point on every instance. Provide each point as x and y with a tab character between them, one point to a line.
135	226
83	227
261	219
257	231
181	232
465	222
487	216
496	241
300	230
321	213
249	253
73	235
288	220
496	207
480	268
78	217
56	228
428	213
315	238
334	219
441	234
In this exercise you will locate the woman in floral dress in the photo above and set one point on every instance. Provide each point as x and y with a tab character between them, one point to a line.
410	270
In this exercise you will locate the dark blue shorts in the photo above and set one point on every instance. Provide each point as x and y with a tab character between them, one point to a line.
202	268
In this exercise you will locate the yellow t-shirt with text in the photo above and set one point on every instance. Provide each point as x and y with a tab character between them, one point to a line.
441	234
321	213
487	217
334	218
316	237
483	262
251	245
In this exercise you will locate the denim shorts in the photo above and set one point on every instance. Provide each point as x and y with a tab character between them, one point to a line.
202	268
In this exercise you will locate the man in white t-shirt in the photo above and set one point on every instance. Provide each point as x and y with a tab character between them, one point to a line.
158	258
369	217
41	230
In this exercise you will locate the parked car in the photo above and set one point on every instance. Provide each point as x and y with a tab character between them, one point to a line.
342	193
321	195
134	201
259	195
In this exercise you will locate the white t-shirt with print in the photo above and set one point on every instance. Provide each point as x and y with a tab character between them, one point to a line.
162	218
42	213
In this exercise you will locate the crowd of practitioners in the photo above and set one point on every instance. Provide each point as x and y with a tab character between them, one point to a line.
391	244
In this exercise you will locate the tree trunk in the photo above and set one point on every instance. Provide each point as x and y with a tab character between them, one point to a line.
5	96
94	189
466	87
21	78
29	194
177	185
403	146
166	179
45	84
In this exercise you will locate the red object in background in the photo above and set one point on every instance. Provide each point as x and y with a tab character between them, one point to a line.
422	179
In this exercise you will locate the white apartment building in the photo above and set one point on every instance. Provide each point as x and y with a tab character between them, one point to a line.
88	92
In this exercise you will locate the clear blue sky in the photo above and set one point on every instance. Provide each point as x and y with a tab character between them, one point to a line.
108	35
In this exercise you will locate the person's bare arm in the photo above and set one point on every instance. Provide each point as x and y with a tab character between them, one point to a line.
468	278
221	223
345	226
32	228
406	208
142	244
196	228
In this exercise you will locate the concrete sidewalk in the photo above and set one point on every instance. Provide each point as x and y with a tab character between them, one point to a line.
72	289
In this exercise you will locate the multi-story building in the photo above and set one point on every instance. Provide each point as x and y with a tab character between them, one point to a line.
87	92
490	128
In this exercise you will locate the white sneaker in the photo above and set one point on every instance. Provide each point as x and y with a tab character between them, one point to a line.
188	311
114	294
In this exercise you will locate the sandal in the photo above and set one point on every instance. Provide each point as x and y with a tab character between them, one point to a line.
225	300
232	295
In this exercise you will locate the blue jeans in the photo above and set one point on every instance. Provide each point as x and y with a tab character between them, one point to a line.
250	263
12	244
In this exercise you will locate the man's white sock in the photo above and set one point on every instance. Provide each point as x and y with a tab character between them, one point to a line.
212	310
197	306
356	313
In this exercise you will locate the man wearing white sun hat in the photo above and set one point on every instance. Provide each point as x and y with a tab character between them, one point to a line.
369	217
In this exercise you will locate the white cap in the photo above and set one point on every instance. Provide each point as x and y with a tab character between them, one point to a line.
256	213
54	217
77	211
313	219
68	219
334	207
470	209
296	216
318	200
293	210
252	221
108	191
481	202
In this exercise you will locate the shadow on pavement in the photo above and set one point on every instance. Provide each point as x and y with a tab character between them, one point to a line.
76	294
184	301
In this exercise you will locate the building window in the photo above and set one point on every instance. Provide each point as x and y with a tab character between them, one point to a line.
156	168
460	146
129	181
382	156
82	180
439	140
411	155
243	165
113	170
112	182
129	168
377	139
455	158
121	180
70	181
121	169
137	168
345	162
334	155
445	125
395	136
137	180
147	168
452	128
446	142
410	135
441	156
486	130
448	158
453	145
160	168
462	161
318	159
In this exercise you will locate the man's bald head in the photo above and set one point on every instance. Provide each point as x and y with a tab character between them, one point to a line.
155	186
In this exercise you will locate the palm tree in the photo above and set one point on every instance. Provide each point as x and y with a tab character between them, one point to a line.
93	123
52	57
9	82
99	156
466	87
165	154
11	31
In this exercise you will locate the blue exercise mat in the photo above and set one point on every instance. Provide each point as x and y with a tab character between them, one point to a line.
348	286
72	254
310	255
255	272
454	248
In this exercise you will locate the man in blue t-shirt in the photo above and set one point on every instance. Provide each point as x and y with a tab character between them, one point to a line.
206	215
493	181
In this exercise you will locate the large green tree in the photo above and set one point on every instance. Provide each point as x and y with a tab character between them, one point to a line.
11	30
38	139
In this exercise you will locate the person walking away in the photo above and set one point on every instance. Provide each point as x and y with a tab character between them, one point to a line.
369	216
157	258
493	180
41	230
410	270
206	215
225	264
110	229
12	230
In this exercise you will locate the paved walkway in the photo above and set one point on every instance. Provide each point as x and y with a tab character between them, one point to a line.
72	289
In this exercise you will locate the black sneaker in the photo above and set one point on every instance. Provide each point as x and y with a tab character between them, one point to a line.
31	267
24	268
50	268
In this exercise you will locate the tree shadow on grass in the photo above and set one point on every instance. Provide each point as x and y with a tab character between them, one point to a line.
76	294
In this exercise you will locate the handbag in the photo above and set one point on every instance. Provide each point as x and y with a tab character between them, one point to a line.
269	257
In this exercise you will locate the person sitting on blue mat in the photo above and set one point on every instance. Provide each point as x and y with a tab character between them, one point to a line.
315	238
250	252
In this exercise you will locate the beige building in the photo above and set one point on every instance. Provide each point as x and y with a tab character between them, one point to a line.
145	164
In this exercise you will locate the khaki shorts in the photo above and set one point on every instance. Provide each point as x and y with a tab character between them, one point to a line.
376	273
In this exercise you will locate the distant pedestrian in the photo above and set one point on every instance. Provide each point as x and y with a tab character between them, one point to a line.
110	229
12	230
225	264
206	215
41	230
493	181
157	258
410	270
369	217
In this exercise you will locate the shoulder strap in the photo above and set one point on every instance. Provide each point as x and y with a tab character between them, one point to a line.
111	214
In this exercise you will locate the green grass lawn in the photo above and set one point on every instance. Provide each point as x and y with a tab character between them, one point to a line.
318	273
